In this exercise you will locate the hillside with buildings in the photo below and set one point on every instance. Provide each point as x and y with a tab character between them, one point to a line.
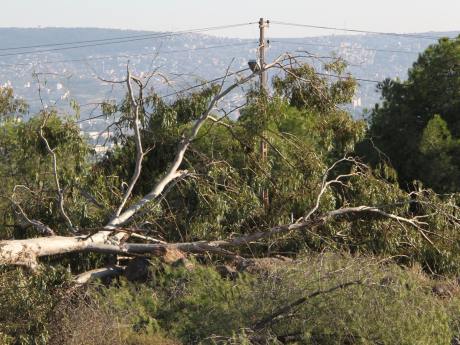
76	71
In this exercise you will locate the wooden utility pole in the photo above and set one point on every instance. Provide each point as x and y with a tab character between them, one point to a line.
263	90
263	75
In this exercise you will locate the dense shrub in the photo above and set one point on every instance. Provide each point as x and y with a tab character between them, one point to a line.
27	302
389	305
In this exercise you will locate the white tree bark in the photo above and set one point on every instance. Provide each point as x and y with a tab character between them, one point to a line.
103	272
27	252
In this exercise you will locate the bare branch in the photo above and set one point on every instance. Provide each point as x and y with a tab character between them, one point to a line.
44	229
173	172
60	192
325	183
137	138
54	158
414	222
147	238
287	309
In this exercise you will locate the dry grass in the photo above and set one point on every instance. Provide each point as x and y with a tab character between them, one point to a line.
81	321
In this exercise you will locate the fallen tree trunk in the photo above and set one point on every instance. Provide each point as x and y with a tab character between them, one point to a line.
27	252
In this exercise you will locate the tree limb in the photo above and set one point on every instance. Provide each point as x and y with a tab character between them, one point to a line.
104	272
42	228
137	139
26	252
173	171
59	191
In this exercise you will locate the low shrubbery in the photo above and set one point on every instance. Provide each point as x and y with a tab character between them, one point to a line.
354	300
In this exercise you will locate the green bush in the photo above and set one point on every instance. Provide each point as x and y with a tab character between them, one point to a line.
389	305
27	302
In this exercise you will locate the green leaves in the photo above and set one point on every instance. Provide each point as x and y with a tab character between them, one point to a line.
304	87
10	106
418	125
26	162
436	137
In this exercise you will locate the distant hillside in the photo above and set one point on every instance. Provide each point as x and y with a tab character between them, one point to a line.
186	58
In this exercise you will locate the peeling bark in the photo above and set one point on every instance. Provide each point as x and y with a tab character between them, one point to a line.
27	252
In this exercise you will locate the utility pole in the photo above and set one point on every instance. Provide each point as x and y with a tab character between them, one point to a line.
263	90
263	75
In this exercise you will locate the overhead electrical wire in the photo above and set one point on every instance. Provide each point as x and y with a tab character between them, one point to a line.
159	52
195	49
235	73
356	30
183	90
96	43
246	69
127	39
345	76
131	36
82	42
346	47
206	83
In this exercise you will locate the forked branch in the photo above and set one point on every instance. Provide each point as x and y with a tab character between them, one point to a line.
59	190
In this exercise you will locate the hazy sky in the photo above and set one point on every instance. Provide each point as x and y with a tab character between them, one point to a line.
166	15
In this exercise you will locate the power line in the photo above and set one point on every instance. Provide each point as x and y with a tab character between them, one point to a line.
356	30
81	42
345	47
113	41
125	39
246	69
205	83
206	48
182	90
342	77
130	36
129	55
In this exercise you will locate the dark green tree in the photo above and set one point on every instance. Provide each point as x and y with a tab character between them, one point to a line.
423	109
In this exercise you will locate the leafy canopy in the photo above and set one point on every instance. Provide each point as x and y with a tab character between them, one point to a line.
418	124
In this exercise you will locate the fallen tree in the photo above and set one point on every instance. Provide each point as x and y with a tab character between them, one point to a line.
113	238
27	252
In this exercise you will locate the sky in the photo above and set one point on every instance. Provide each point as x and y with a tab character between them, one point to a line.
402	16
